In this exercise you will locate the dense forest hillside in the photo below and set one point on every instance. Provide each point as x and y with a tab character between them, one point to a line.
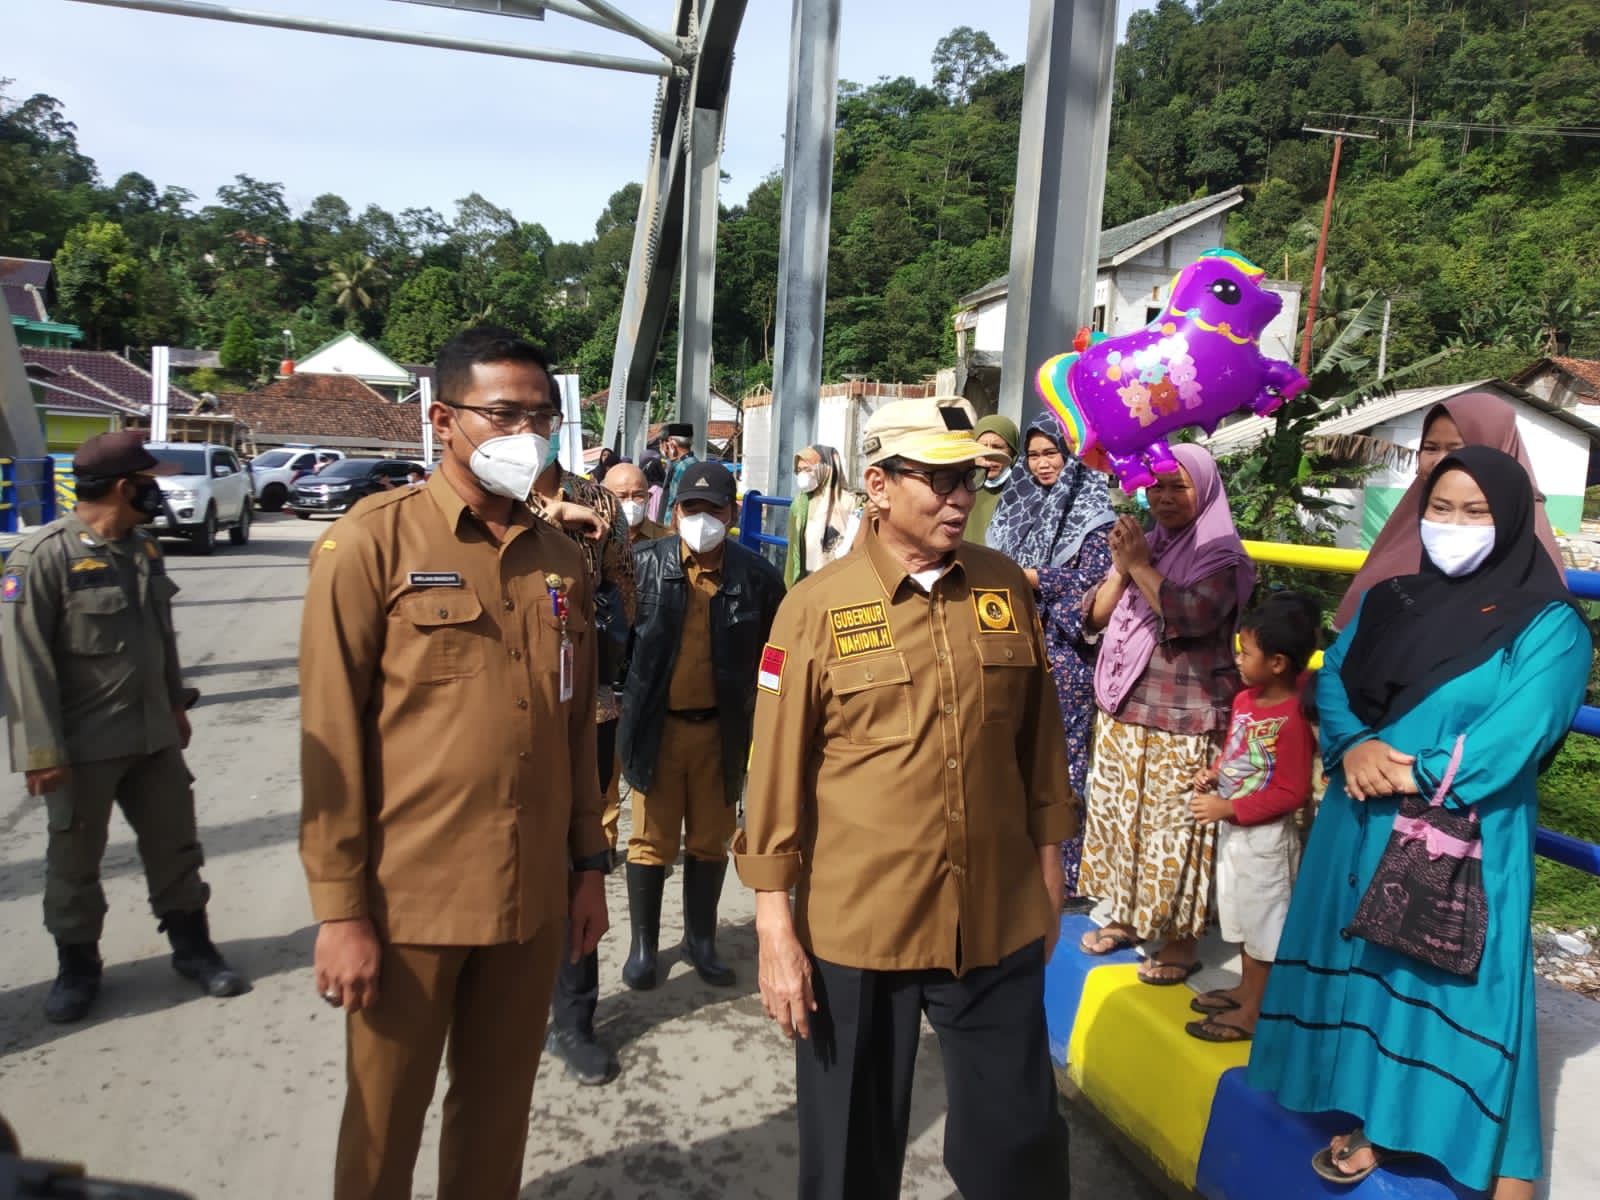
1474	208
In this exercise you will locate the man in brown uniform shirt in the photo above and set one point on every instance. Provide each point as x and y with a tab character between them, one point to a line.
910	782
451	809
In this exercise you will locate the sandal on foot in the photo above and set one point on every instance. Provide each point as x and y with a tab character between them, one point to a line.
1095	942
1326	1161
1216	1031
1213	1002
1183	971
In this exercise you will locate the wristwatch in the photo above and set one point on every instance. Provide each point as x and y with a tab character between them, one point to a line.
601	862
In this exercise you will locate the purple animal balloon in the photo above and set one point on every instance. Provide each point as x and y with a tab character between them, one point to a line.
1194	364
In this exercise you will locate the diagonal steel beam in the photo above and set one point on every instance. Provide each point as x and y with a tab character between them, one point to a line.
658	244
614	18
404	37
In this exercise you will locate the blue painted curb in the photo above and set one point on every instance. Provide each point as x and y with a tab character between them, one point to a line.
1063	981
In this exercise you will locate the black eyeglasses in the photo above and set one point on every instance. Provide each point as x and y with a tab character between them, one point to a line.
947	479
510	420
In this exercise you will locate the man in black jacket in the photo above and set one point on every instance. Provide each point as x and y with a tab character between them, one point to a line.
705	606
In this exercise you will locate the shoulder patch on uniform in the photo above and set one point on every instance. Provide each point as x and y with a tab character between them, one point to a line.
327	544
11	586
993	606
770	677
860	629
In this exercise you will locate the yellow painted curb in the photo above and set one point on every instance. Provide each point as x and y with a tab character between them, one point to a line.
1130	1056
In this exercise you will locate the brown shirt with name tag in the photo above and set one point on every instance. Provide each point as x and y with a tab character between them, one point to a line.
444	779
908	762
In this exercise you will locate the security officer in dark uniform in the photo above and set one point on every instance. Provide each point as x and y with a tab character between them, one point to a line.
95	702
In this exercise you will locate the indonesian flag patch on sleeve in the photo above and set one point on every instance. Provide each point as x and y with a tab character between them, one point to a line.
770	677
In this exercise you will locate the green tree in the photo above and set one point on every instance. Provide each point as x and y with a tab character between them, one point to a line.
97	281
427	310
354	281
240	353
963	58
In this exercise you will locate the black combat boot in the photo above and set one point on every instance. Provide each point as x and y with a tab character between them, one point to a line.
702	889
571	1037
77	982
195	957
645	885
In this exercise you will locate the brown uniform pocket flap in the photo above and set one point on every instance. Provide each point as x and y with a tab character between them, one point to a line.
999	651
441	606
879	670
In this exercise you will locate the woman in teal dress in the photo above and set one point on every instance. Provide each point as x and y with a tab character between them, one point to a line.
1484	644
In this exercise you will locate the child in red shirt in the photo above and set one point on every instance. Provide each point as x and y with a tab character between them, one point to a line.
1252	792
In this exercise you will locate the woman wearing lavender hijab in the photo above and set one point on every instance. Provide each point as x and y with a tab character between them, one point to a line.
1164	683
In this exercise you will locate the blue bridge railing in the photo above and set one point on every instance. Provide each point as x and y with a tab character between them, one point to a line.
27	493
1558	847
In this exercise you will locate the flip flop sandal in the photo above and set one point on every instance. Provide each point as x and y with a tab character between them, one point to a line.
1185	972
1212	1003
1097	937
1216	1031
1326	1161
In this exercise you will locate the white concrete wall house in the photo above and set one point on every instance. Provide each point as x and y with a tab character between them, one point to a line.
1560	445
1137	264
348	354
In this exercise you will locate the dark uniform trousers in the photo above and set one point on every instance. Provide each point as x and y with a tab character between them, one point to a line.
154	793
491	1001
853	1081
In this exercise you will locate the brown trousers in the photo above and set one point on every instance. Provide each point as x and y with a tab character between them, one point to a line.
685	799
490	1003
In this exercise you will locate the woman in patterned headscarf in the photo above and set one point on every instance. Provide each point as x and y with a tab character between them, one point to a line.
1053	520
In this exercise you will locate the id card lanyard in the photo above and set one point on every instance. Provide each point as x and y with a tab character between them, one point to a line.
560	609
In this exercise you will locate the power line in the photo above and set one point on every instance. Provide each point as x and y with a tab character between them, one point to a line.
1578	132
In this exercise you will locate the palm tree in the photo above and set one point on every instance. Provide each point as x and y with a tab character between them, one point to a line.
354	280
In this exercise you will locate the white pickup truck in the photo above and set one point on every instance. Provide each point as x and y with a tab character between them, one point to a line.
210	492
275	471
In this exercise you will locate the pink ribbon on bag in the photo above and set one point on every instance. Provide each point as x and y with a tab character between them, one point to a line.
1436	841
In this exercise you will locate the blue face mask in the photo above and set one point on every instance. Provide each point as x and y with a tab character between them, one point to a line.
554	453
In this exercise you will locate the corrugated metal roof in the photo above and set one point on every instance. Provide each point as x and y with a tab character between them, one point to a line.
1122	238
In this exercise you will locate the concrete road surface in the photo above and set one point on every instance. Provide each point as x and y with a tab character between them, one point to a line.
241	1098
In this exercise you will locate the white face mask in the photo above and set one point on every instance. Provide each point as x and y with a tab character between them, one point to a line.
633	511
507	466
805	481
701	532
1457	549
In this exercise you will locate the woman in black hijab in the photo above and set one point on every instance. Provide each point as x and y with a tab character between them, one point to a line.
1454	684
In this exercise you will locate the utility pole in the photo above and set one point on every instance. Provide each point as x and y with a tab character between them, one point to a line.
1322	242
1383	339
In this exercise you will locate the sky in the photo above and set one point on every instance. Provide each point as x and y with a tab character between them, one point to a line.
192	103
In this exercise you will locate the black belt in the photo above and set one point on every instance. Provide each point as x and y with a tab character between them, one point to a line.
696	715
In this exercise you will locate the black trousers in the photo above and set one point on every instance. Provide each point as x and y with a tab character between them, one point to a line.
1004	1138
577	991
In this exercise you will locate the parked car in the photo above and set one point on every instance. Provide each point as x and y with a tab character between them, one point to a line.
276	471
338	486
210	492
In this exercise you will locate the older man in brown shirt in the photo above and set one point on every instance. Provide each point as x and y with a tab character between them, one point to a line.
910	783
450	821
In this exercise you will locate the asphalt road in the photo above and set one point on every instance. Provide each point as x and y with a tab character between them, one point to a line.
241	1098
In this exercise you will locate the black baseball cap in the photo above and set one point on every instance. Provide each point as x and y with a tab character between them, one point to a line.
707	481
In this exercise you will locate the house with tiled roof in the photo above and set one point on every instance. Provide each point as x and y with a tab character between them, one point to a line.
1571	384
358	358
24	294
325	410
80	393
1137	263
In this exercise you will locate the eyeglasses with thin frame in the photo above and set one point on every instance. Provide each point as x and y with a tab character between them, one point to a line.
508	419
947	479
